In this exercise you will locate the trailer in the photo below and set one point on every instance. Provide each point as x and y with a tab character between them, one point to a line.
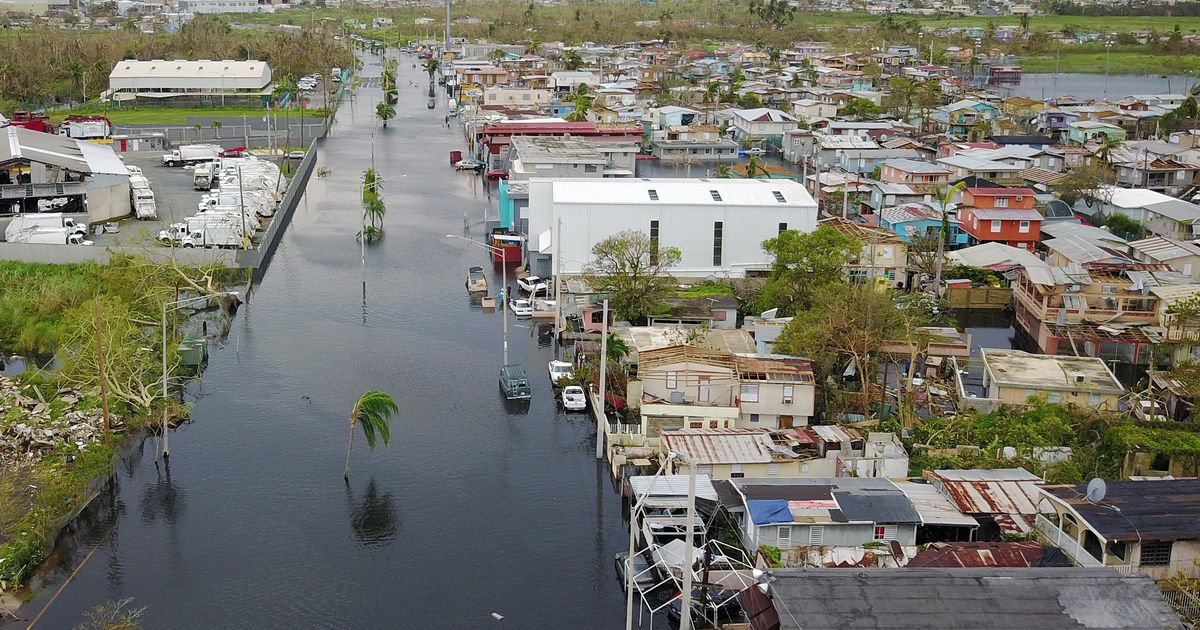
202	177
33	121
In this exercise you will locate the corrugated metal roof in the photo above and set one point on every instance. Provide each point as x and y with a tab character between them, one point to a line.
1004	491
671	486
720	446
685	192
934	508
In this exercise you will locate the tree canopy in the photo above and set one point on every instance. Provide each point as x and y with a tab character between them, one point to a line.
633	269
804	264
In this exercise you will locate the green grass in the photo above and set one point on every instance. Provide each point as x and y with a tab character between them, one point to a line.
177	115
1120	63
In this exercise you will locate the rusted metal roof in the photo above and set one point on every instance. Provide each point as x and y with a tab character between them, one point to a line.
1011	491
720	446
1026	553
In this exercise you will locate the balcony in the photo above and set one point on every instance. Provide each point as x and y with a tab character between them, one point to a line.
1050	313
1074	550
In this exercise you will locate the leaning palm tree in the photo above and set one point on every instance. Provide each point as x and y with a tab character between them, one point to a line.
372	412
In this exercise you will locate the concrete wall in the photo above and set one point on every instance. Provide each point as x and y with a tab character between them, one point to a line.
66	254
812	468
259	258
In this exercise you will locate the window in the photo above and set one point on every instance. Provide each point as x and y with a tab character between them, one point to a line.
1001	202
778	196
788	391
1054	397
996	225
705	469
589	168
782	228
783	536
1094	400
885	532
773	470
1155	554
816	535
718	228
749	393
716	195
653	194
1024	229
735	469
1109	289
654	238
672	381
753	417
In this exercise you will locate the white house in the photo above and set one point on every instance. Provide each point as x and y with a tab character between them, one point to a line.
762	123
718	225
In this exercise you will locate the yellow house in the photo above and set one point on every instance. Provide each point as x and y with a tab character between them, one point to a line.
1019	105
1012	377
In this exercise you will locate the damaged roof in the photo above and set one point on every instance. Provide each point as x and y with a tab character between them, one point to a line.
1166	510
1025	553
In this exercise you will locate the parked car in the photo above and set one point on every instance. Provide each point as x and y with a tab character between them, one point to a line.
532	285
476	281
559	369
756	151
723	603
514	383
573	398
642	579
521	308
295	155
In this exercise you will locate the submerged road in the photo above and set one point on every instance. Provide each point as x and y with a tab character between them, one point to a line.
477	506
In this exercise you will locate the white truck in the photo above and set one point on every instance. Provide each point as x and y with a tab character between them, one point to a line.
144	206
202	234
258	202
202	177
192	154
49	236
24	222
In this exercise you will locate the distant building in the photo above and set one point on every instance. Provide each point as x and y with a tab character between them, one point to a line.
1013	376
188	82
224	6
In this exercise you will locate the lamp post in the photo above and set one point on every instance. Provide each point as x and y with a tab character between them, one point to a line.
1107	61
503	281
165	307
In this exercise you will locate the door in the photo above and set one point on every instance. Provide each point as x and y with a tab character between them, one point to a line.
785	422
705	393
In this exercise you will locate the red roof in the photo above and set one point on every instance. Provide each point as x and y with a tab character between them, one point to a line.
524	129
979	554
1000	192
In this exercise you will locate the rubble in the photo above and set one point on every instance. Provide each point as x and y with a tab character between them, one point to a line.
34	433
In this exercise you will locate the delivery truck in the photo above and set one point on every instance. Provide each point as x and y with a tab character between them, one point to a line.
192	154
23	222
202	176
201	234
49	236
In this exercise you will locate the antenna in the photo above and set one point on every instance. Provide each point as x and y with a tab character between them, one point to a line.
1096	489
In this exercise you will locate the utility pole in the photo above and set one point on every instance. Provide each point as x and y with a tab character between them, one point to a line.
685	619
165	429
446	44
242	209
603	417
104	383
557	278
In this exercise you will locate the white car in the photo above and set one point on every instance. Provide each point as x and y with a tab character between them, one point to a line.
521	308
295	155
756	151
559	369
532	285
573	398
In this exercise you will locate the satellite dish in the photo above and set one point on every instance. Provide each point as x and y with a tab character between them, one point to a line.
769	313
1096	489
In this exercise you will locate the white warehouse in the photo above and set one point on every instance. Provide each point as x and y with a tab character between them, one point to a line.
186	81
718	225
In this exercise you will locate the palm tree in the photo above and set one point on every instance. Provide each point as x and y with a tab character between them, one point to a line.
196	128
374	210
754	166
216	125
1104	151
431	66
583	103
372	412
712	96
498	55
572	60
617	348
724	171
944	236
385	112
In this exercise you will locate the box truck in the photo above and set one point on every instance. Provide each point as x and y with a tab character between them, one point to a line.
23	222
192	154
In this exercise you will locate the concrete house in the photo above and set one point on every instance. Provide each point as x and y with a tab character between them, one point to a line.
1161	214
912	221
775	391
1003	215
1182	256
1014	376
903	171
761	123
834	512
1089	131
1150	527
673	116
996	171
959	117
884	257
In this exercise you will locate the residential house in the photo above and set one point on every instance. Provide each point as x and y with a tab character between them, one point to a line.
482	76
761	124
1088	132
505	96
912	221
959	117
744	453
686	387
787	513
1151	527
1003	501
1004	215
673	116
1055	121
882	455
1160	174
886	195
810	109
904	171
953	598
697	143
827	150
963	167
775	391
1182	256
884	256
865	161
567	81
1160	214
1012	377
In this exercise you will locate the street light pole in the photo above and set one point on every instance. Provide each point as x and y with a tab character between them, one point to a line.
503	279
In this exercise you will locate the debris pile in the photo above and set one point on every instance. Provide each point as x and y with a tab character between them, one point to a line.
30	429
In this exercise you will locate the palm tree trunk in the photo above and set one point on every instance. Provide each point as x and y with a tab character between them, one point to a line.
349	446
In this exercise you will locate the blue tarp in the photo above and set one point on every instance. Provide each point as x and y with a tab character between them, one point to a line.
765	512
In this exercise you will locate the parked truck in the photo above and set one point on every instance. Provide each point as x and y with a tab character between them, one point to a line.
192	154
85	127
23	222
193	234
49	236
203	176
144	206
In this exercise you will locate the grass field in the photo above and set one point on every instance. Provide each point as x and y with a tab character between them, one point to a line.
1120	63
173	115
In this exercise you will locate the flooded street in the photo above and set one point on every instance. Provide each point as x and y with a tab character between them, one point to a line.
477	506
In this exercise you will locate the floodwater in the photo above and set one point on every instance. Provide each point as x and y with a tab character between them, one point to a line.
1096	86
477	506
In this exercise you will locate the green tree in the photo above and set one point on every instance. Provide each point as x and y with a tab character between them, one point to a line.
860	108
1024	21
572	60
216	125
634	269
385	112
804	264
372	411
498	55
776	13
754	166
431	66
1087	182
902	92
582	102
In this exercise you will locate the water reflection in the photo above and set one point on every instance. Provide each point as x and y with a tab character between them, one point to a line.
163	498
373	517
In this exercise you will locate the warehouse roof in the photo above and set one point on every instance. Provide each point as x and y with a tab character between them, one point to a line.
184	68
954	598
681	192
